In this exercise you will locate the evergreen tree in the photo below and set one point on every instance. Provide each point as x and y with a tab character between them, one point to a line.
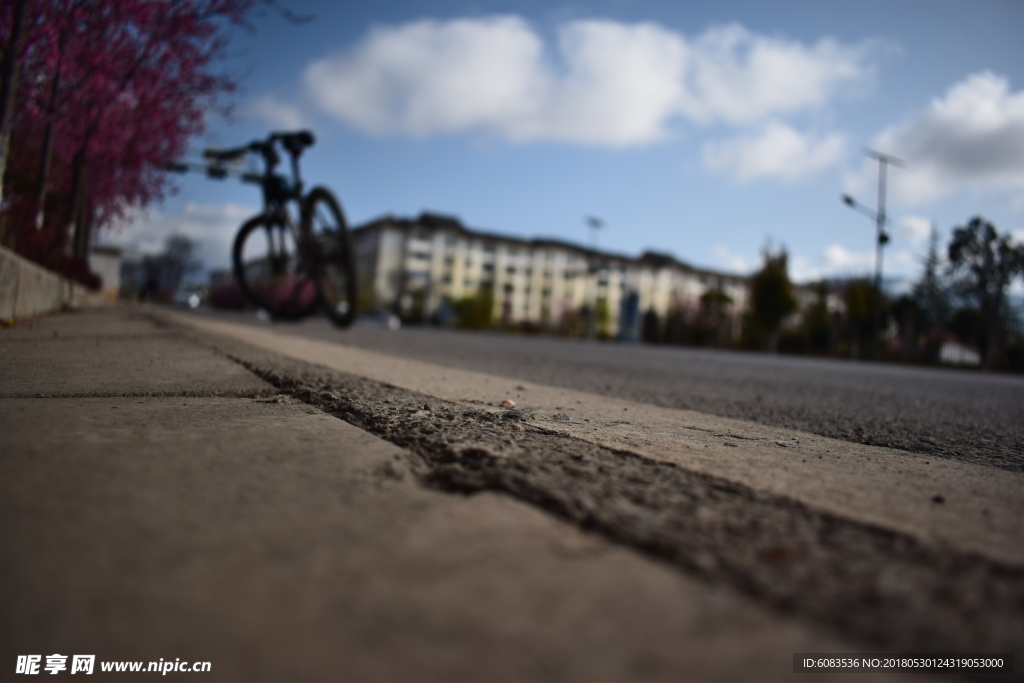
771	295
930	292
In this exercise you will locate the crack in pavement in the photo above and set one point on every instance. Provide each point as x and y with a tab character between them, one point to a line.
876	585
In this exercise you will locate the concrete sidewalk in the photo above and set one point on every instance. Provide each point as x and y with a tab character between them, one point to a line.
158	501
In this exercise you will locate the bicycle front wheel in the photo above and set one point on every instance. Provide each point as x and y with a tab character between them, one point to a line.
334	267
270	271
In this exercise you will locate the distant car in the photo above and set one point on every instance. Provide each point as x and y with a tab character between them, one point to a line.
188	299
388	320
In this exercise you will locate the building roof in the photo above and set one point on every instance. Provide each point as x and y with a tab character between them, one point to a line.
446	223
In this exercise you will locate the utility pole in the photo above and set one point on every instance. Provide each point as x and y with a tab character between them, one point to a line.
883	237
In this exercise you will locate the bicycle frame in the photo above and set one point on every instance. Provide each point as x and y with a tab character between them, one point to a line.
287	274
283	288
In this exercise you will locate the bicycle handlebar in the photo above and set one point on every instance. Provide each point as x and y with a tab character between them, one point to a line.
214	172
294	143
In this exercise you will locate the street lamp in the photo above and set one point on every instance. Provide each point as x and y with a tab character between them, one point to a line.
883	237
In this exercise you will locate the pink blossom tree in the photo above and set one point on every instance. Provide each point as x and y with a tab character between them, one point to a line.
110	92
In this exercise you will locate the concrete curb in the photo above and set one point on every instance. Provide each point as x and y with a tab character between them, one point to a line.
28	289
875	486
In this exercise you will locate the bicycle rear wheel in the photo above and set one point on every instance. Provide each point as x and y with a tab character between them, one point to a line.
270	270
334	268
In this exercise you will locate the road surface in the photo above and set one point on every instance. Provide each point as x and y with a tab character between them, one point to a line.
957	414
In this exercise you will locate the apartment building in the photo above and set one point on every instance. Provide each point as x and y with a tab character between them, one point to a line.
419	267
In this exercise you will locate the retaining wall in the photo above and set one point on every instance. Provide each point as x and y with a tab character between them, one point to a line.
28	289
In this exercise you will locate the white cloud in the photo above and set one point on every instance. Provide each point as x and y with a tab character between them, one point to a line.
914	229
429	76
278	114
602	83
800	270
838	259
736	263
901	261
741	77
972	138
778	151
211	226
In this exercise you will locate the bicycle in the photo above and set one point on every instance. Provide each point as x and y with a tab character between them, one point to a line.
285	267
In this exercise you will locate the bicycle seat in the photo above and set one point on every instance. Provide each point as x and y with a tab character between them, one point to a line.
296	142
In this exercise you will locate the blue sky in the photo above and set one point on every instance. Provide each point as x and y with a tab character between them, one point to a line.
703	129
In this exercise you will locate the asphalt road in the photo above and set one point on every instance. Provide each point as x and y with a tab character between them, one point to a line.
957	414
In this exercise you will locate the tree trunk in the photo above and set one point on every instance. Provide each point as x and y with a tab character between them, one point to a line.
993	345
9	84
76	226
47	155
83	230
44	172
83	217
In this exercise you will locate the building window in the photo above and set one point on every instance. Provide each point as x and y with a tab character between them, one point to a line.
488	267
511	270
